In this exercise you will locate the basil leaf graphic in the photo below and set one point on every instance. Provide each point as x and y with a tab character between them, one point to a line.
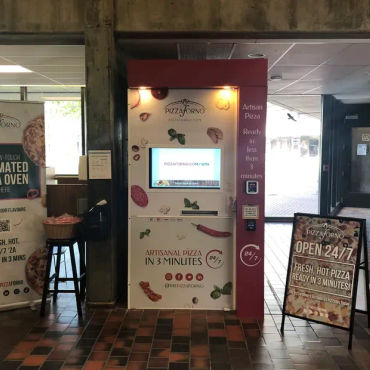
215	294
172	133
181	138
227	289
195	205
187	203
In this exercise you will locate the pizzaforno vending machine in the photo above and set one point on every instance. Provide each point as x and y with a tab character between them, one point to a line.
196	185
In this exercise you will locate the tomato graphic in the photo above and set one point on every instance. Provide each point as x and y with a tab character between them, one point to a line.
168	276
178	276
199	277
189	277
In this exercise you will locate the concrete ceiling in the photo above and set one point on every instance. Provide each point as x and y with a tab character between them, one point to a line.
308	68
50	64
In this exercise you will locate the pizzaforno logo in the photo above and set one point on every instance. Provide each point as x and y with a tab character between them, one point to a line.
184	107
9	122
325	231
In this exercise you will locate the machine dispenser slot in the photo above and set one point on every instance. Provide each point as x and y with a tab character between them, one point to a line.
186	212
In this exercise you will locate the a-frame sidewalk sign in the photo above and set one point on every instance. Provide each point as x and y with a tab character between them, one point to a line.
328	271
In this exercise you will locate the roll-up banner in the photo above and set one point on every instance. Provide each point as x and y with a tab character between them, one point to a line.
22	203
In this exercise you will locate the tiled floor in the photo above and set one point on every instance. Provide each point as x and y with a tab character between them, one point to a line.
363	213
166	339
358	213
285	205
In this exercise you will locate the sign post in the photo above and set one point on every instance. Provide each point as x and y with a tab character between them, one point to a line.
326	256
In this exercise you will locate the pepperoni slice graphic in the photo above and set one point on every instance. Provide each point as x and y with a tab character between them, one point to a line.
139	196
148	292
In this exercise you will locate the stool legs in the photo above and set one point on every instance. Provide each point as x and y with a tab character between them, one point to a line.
75	280
46	280
79	293
81	248
57	270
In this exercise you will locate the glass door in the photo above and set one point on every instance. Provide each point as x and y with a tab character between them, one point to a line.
292	162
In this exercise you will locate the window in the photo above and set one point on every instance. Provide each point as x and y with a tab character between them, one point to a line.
10	93
63	136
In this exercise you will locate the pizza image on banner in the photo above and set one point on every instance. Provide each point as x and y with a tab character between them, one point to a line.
322	269
35	269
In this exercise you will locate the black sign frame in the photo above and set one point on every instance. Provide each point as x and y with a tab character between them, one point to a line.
364	265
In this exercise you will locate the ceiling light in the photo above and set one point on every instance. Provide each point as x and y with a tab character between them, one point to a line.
256	55
145	94
225	94
276	78
13	69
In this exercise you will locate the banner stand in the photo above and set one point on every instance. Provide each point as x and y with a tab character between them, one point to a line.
359	265
33	305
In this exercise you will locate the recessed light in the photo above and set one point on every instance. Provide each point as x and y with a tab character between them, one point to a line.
276	78
145	94
13	69
256	55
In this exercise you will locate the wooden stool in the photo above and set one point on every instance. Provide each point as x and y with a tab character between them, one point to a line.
78	291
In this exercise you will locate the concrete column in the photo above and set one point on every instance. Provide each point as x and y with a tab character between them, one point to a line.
102	135
23	90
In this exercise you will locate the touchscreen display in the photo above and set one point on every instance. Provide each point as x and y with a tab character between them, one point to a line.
194	168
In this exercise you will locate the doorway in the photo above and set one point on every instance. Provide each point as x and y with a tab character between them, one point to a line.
292	161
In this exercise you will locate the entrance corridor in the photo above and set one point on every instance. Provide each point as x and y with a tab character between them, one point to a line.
182	339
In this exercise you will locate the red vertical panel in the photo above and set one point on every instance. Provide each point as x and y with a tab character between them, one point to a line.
250	166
